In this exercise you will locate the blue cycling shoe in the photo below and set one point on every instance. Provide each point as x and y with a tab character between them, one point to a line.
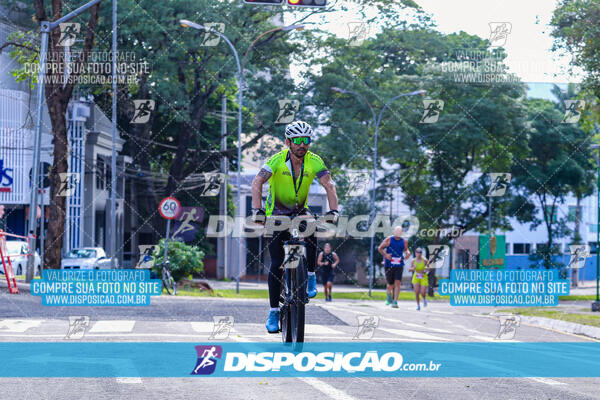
312	286
273	322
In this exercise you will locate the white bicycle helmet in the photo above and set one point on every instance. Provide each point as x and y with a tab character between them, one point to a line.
298	129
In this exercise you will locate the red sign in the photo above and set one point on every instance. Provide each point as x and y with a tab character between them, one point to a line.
169	208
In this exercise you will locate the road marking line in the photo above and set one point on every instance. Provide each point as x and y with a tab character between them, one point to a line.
468	329
547	381
327	389
426	327
492	339
19	325
414	334
313	329
113	326
130	380
205	327
442	312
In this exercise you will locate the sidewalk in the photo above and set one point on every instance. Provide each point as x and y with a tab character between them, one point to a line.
220	285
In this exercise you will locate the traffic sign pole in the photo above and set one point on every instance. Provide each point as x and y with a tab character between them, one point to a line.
167	239
169	208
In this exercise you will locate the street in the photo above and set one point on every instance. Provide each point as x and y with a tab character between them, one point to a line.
189	319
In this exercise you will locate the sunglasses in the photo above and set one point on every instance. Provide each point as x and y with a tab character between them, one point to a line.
300	140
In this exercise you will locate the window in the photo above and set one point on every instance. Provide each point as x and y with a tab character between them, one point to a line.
521	248
593	228
100	173
593	247
542	247
573	213
554	215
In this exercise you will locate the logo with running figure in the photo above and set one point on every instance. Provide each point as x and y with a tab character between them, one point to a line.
68	183
68	33
366	326
77	326
143	109
573	109
207	359
437	255
499	32
508	326
287	111
358	32
579	252
222	327
212	39
431	111
499	183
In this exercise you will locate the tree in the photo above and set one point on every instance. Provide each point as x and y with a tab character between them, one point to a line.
57	99
440	166
557	161
574	24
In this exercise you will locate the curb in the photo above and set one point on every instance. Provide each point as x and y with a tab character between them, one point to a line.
563	326
21	285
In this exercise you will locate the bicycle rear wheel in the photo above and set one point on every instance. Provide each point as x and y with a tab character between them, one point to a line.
168	282
284	313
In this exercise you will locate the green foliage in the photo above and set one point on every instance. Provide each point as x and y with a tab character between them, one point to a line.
478	130
184	259
26	56
575	29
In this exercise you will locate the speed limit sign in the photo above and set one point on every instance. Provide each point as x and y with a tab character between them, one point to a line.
169	208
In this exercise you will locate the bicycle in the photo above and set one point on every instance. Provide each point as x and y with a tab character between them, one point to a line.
294	296
167	279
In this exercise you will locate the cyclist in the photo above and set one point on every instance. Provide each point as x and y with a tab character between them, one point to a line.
394	250
327	260
290	174
420	281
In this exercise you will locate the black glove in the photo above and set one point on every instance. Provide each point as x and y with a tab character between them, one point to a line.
332	216
258	215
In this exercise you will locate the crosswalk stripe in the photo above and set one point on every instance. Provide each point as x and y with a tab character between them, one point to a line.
327	389
320	329
115	326
491	339
18	325
547	381
414	334
426	327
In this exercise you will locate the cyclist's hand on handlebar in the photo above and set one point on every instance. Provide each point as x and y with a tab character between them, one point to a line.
332	216
259	216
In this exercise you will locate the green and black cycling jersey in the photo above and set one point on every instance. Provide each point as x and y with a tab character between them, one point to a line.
286	194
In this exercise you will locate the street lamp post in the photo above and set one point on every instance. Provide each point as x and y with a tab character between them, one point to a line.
189	24
377	121
596	304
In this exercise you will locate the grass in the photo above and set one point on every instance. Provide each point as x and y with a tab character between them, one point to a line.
264	294
585	319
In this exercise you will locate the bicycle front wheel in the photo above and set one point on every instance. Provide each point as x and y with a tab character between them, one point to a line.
298	282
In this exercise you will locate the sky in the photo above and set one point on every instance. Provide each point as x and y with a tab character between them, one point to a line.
528	44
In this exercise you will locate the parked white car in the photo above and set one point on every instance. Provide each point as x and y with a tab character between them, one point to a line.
17	251
86	258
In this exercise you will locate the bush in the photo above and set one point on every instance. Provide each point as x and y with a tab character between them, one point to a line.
183	259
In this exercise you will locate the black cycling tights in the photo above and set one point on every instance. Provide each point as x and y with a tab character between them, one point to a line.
277	258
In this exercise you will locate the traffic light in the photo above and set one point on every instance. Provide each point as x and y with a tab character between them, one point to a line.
307	3
267	2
